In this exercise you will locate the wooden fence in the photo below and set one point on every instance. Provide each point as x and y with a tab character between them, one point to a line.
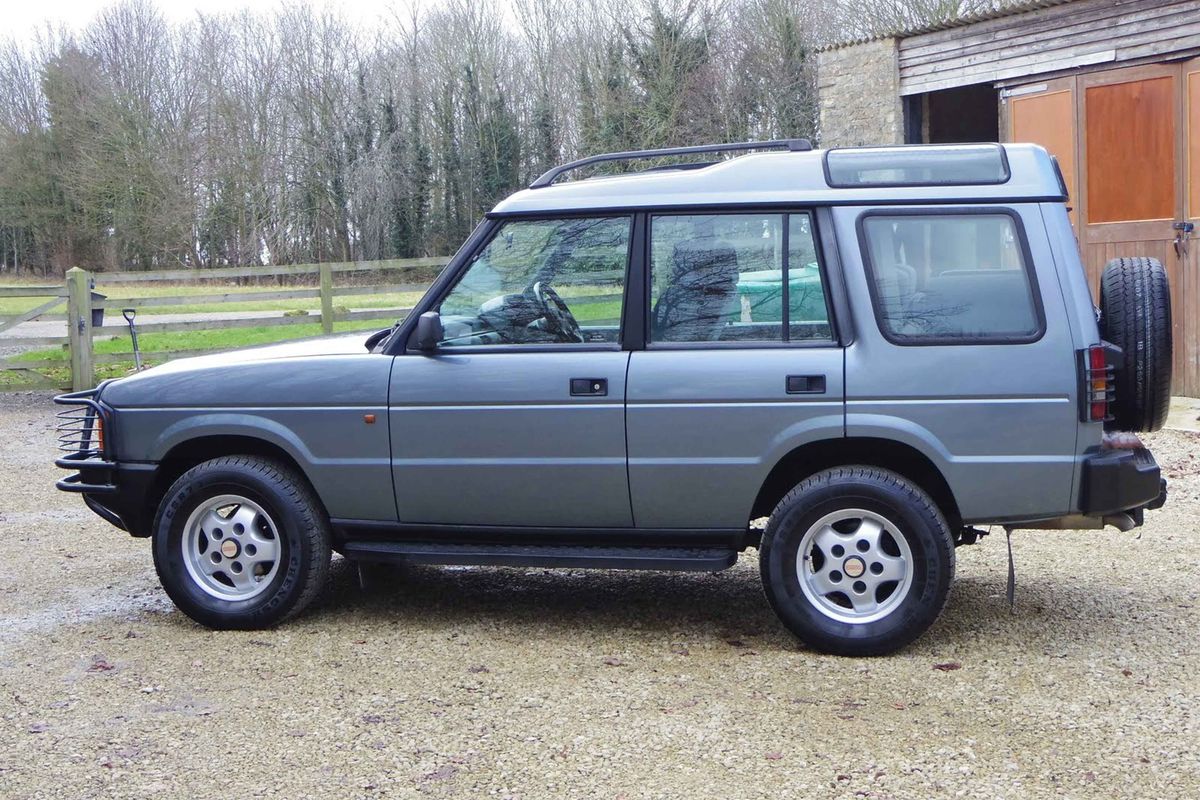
77	293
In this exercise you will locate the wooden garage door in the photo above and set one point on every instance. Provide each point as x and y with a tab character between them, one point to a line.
1047	116
1128	141
1188	287
1132	158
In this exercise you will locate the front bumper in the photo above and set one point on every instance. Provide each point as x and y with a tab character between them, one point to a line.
1121	480
116	492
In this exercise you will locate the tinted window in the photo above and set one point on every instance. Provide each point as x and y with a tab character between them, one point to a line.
735	277
950	277
808	316
555	281
947	165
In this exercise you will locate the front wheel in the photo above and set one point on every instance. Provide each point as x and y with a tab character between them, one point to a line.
857	561
241	542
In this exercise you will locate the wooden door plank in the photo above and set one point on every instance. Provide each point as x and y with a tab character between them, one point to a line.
1187	349
1131	163
1048	119
1131	133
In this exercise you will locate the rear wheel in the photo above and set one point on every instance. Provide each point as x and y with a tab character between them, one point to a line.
857	561
241	542
1135	315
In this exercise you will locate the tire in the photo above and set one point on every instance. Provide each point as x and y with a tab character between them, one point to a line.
1135	315
913	551
241	543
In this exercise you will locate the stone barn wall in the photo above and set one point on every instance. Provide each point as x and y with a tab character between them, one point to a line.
858	87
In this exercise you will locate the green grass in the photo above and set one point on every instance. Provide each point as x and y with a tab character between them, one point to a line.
19	305
156	344
221	339
12	380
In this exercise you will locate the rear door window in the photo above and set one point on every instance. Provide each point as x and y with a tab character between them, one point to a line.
945	277
744	277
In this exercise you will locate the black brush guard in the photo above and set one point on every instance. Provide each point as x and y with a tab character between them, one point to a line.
81	429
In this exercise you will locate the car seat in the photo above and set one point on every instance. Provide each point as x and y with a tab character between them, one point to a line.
701	298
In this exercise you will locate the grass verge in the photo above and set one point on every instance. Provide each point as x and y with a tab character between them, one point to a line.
156	346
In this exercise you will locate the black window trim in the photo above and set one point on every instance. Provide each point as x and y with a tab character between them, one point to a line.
840	314
952	211
835	339
399	342
457	268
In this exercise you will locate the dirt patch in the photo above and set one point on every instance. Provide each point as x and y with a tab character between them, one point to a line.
544	683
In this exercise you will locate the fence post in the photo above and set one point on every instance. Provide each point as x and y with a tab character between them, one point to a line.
79	328
326	298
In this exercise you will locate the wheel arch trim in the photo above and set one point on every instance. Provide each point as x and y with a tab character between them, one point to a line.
917	457
236	425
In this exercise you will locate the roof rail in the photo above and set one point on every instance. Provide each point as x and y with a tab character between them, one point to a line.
551	175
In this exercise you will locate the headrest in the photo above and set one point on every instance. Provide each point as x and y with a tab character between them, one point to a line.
704	263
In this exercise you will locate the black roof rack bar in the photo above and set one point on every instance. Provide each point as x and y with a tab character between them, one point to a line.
551	175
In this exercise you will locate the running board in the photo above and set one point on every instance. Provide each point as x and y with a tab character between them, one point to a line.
687	559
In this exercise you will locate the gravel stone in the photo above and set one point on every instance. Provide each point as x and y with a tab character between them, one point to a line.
533	683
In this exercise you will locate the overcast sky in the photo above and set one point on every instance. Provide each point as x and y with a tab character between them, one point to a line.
22	18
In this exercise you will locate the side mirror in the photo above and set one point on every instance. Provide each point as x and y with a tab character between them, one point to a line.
429	331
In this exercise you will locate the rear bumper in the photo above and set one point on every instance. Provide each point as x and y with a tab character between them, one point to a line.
1121	480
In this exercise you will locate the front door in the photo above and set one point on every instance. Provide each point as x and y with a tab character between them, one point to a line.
741	365
518	417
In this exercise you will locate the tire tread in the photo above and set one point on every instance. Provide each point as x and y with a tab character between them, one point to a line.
910	494
1135	305
296	490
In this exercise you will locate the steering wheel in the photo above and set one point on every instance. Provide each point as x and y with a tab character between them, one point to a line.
559	318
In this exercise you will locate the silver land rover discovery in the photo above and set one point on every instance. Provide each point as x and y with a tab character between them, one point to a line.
876	349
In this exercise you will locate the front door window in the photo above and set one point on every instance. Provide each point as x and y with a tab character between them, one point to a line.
542	281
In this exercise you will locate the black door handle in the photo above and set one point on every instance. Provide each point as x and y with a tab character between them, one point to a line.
806	384
589	387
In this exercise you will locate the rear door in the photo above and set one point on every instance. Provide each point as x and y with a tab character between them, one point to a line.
518	417
741	364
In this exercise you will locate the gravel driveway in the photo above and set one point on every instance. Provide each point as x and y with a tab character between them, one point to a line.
560	684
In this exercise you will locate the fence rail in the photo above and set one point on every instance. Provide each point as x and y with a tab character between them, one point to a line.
29	291
78	295
218	273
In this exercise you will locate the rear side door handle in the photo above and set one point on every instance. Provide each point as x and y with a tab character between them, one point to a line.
806	384
589	387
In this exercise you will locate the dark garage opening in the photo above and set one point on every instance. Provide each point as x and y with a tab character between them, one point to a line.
962	114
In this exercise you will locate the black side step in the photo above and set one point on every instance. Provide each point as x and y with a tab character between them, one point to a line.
689	559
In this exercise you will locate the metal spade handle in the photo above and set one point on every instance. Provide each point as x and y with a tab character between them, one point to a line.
129	314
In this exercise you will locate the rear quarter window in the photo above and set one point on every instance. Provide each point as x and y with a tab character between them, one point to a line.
950	277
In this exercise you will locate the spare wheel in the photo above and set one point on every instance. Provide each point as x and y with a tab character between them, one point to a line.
1135	315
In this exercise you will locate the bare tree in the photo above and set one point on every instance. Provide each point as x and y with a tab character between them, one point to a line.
291	136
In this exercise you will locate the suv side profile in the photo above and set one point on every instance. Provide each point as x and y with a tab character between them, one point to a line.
875	349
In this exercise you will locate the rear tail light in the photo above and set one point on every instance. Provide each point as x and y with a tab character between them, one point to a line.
1096	376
